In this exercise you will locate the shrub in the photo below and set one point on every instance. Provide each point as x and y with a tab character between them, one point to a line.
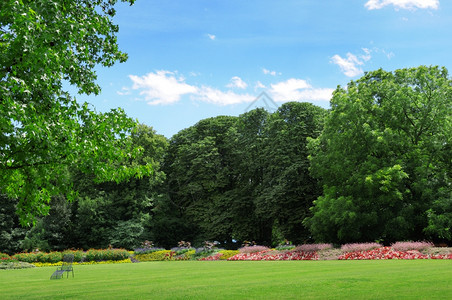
5	258
253	249
79	255
26	257
106	254
313	247
52	257
154	256
409	245
360	247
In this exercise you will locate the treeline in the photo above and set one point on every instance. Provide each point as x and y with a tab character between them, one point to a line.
375	167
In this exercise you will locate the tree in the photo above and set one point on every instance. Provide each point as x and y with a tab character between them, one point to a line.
197	170
384	157
120	214
288	189
248	141
43	130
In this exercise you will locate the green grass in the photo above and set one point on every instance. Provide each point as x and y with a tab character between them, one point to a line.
417	279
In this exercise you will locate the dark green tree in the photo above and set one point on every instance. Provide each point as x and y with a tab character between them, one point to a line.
288	189
197	171
11	233
120	214
248	141
384	158
43	130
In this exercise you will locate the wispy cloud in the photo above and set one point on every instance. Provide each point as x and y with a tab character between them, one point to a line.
237	82
211	36
402	4
298	90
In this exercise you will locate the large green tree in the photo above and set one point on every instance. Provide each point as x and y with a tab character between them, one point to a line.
43	130
288	189
384	158
198	176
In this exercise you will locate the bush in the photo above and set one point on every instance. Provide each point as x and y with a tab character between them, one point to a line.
26	257
106	254
5	258
52	257
79	255
409	245
154	256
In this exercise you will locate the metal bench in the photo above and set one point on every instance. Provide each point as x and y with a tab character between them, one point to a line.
68	259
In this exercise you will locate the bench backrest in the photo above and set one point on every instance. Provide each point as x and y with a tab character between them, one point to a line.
68	259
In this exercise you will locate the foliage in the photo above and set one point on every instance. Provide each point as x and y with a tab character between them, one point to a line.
43	129
79	255
52	257
126	234
383	158
153	256
106	254
11	233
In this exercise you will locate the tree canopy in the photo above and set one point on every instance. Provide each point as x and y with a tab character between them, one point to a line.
384	158
43	130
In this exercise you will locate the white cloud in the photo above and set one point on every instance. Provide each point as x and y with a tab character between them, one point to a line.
166	87
237	82
298	90
215	96
349	66
211	36
162	87
403	4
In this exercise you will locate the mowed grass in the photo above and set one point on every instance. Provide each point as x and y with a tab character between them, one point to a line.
416	279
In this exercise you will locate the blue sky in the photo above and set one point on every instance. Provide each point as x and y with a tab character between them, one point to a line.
190	60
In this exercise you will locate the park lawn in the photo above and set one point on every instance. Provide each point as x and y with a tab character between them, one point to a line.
396	279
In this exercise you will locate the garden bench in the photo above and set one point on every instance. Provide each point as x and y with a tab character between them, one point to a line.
68	259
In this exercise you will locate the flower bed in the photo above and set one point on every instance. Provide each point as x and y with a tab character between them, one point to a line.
275	255
390	253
